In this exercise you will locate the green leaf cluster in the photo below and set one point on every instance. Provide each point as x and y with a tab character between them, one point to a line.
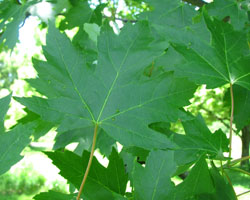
129	88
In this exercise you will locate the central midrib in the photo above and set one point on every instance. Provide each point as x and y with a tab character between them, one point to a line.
115	79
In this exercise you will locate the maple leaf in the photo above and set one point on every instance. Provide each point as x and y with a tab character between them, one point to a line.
226	60
114	94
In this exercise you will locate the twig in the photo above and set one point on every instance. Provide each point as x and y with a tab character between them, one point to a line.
217	117
89	163
234	162
126	20
243	193
231	121
121	19
198	3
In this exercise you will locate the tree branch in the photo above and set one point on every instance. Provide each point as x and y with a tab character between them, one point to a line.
198	3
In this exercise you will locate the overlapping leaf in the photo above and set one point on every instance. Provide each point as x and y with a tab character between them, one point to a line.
113	95
12	15
172	13
228	10
153	182
13	141
199	141
226	60
85	137
4	105
52	195
241	106
41	127
198	182
102	183
81	13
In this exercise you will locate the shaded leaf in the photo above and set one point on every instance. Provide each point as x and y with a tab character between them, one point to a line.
153	181
223	190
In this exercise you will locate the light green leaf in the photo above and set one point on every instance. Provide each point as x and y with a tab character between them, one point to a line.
114	94
93	31
102	183
226	60
153	182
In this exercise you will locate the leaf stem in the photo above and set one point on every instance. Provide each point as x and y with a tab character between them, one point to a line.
231	122
89	163
243	193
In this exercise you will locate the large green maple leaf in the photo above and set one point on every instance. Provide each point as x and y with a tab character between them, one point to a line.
114	95
224	60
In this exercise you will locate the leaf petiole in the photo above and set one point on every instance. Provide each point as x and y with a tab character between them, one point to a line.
89	163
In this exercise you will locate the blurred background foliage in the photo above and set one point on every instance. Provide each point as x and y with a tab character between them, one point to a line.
27	177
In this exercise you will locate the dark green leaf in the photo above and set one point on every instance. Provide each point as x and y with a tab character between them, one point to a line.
223	190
